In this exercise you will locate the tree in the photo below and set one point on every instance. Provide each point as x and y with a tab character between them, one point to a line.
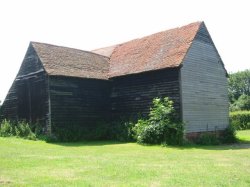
239	84
243	103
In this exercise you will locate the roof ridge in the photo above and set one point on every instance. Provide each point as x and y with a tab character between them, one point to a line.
193	23
146	36
71	48
138	55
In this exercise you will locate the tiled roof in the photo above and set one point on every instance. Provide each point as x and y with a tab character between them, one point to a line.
158	51
106	51
71	62
162	50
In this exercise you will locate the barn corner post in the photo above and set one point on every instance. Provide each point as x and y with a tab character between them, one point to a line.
180	93
29	101
48	121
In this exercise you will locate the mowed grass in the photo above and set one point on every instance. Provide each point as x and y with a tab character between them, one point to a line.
36	163
244	136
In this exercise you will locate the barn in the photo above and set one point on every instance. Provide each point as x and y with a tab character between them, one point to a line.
59	86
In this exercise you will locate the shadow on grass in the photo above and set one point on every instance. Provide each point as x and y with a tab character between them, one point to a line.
241	144
234	146
87	143
244	141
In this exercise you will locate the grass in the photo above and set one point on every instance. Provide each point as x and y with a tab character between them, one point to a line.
36	163
244	136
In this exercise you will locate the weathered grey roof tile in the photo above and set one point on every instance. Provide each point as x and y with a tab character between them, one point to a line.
71	62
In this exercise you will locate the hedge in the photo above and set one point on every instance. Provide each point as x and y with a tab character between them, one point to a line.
240	120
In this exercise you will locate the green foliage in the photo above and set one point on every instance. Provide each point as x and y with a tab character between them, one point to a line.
240	120
239	84
21	129
118	130
162	126
229	135
208	138
162	111
138	129
6	129
151	134
215	138
122	131
68	133
243	103
47	138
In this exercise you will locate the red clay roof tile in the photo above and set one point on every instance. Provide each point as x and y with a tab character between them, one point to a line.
158	51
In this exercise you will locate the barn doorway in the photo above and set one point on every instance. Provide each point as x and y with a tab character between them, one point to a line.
24	100
31	96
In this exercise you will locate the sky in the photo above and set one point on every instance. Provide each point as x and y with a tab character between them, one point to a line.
91	24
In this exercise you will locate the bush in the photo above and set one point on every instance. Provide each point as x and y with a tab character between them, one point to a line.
162	126
240	120
208	138
6	129
21	129
122	131
67	133
118	130
151	134
229	135
215	138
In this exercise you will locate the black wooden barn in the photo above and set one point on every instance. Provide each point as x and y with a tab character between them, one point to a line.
58	86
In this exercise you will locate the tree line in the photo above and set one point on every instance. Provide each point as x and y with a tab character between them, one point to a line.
239	90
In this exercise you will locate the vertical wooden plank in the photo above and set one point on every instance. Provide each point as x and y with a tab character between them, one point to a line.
48	121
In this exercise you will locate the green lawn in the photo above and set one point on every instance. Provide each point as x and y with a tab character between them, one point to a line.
36	163
244	136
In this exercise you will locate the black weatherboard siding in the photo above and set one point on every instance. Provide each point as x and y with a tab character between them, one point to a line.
79	102
133	94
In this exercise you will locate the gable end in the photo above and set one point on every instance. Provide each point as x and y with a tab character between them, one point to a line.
31	64
203	36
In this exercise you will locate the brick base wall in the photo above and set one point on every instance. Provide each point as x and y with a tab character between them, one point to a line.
195	135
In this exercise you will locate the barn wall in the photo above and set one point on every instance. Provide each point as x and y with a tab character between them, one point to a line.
132	95
32	99
204	87
27	98
9	107
79	102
